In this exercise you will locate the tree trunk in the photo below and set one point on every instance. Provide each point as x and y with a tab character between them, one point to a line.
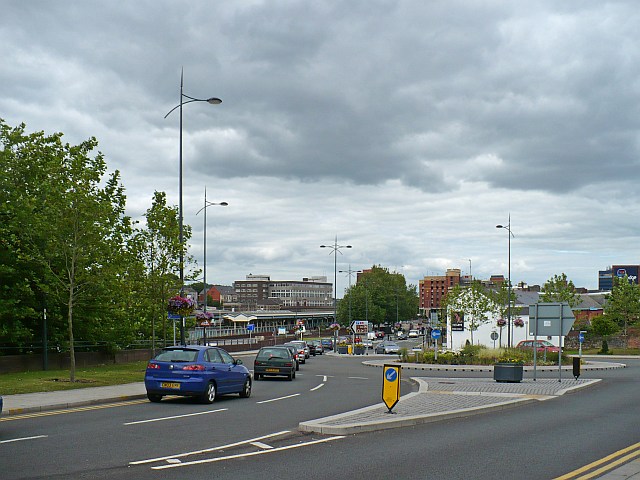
72	353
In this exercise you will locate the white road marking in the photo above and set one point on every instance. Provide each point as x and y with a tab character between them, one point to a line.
264	446
249	454
213	449
358	378
279	398
176	416
23	438
316	388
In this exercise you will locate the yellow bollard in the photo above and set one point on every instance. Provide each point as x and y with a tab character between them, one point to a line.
349	349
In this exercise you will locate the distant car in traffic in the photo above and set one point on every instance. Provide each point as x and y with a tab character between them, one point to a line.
302	354
294	352
327	343
317	344
401	336
387	347
196	371
379	334
541	345
414	333
277	361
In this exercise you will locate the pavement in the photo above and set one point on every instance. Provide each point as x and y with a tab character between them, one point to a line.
437	398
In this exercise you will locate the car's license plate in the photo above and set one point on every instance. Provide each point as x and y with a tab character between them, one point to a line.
173	385
275	370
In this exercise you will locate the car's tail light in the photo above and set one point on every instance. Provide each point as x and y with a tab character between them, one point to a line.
193	368
153	366
288	364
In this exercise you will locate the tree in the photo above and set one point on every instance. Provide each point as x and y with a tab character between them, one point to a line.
622	305
77	231
380	297
473	301
560	289
604	326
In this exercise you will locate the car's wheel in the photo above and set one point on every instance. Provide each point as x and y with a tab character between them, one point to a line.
153	397
246	389
210	394
292	375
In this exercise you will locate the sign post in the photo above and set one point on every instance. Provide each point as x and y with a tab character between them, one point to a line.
250	328
390	386
554	318
435	334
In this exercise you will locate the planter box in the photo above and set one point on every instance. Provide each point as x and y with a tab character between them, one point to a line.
343	350
359	350
508	372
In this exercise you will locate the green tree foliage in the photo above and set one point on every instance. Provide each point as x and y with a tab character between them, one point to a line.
603	326
560	289
379	297
474	301
622	305
77	231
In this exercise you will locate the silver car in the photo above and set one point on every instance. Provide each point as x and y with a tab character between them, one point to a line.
387	348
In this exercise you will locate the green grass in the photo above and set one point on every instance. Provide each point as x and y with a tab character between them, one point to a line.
53	380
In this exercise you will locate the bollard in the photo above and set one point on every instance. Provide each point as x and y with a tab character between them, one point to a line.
576	367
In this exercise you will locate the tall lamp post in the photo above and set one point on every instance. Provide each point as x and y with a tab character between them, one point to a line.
350	273
507	227
204	208
212	101
335	249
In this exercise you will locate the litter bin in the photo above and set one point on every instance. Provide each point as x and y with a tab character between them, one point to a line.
576	367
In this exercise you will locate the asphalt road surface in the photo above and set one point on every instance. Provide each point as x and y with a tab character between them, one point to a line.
258	438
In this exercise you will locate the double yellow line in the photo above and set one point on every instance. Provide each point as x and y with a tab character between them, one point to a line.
22	416
602	466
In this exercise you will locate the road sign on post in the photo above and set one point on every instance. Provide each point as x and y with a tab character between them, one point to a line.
391	386
553	318
360	327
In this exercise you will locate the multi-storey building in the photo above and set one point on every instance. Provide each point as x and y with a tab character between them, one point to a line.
433	288
605	277
260	292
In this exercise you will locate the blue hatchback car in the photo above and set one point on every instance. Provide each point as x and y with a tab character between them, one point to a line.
196	371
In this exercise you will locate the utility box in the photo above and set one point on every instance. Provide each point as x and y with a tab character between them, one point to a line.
576	367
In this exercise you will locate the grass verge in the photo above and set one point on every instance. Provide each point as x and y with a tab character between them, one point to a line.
53	380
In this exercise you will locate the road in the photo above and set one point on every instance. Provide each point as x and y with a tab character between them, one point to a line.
259	439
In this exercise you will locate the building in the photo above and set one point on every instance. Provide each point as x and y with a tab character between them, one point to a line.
432	289
605	277
259	292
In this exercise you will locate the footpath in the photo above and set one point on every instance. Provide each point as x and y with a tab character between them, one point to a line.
437	398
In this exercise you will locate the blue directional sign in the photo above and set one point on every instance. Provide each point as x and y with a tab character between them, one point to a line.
581	337
435	333
173	316
251	327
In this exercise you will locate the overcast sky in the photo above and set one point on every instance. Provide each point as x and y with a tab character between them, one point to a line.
408	129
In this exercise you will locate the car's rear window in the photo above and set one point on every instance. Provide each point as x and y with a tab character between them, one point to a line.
177	355
267	353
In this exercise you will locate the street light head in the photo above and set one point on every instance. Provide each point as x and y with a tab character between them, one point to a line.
323	246
214	101
348	246
223	204
499	226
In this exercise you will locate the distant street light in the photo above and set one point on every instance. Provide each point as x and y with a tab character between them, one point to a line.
335	249
213	101
207	204
350	273
508	229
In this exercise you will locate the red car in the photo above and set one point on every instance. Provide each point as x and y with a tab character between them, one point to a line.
542	345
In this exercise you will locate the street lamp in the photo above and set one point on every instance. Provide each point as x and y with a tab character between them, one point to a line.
335	249
213	101
350	273
508	229
207	204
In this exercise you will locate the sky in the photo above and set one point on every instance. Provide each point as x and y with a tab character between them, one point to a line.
406	129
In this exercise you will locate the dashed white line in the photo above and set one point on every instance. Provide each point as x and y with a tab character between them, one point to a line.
23	439
316	388
279	398
176	416
261	445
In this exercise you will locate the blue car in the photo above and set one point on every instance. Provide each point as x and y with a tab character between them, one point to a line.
196	371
